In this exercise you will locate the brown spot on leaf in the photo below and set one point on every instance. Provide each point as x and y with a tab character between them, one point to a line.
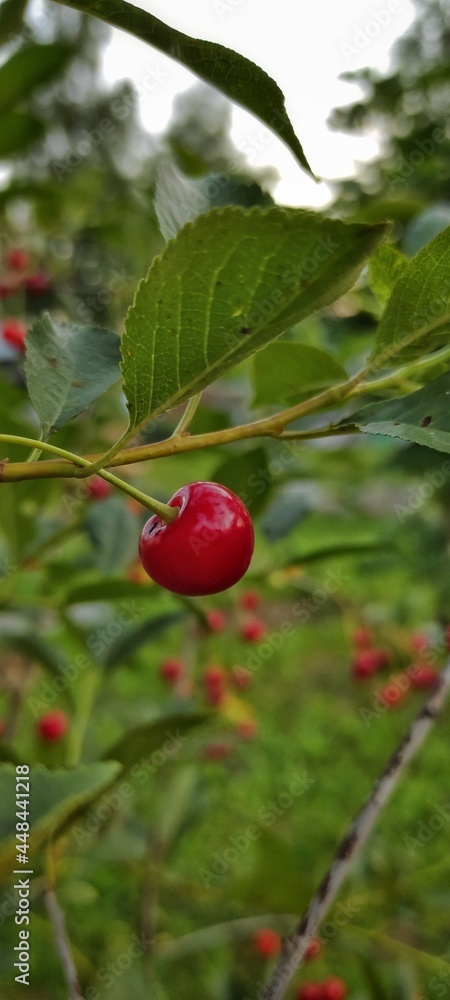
426	421
245	330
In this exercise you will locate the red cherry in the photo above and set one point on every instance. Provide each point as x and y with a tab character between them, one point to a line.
247	730
52	726
14	333
206	549
216	620
393	693
17	259
37	283
313	949
253	631
334	989
214	683
419	642
367	662
266	942
216	751
249	600
310	991
362	638
422	676
6	290
171	670
98	488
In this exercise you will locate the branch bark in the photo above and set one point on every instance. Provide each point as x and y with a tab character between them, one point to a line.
295	945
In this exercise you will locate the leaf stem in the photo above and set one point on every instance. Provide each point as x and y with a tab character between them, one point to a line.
294	947
188	414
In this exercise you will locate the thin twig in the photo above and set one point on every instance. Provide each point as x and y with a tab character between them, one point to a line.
62	943
295	945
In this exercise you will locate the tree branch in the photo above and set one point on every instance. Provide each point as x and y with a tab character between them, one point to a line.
294	947
62	943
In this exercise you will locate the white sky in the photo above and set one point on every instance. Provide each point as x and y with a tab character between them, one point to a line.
303	46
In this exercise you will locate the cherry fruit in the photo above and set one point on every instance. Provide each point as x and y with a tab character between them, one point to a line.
52	726
98	488
171	670
206	548
334	989
310	991
253	631
313	949
266	942
14	333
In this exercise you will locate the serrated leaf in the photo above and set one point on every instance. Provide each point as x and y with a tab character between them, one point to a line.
139	635
286	371
143	741
228	284
68	367
235	76
386	266
177	200
416	319
422	416
248	476
56	800
29	68
112	530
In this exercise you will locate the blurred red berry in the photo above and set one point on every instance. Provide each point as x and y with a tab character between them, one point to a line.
310	991
266	942
419	642
249	600
37	283
6	289
393	693
362	638
171	670
214	684
216	751
216	620
52	726
422	676
98	488
367	662
241	677
17	259
313	949
247	730
253	631
14	333
334	989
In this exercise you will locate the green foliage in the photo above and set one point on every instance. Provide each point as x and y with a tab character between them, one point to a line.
283	373
422	416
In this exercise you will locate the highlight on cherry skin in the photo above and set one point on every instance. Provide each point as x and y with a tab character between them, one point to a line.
207	548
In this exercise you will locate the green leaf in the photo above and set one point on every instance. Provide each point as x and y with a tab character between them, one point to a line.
286	371
386	266
56	800
68	367
11	17
422	416
228	284
112	530
234	75
143	741
177	200
104	589
416	319
34	648
134	638
17	132
29	68
247	475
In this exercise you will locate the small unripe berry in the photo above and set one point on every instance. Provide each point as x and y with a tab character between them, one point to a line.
266	942
253	631
310	991
171	670
52	726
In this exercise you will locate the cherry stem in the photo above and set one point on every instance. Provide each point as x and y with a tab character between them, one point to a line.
166	513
